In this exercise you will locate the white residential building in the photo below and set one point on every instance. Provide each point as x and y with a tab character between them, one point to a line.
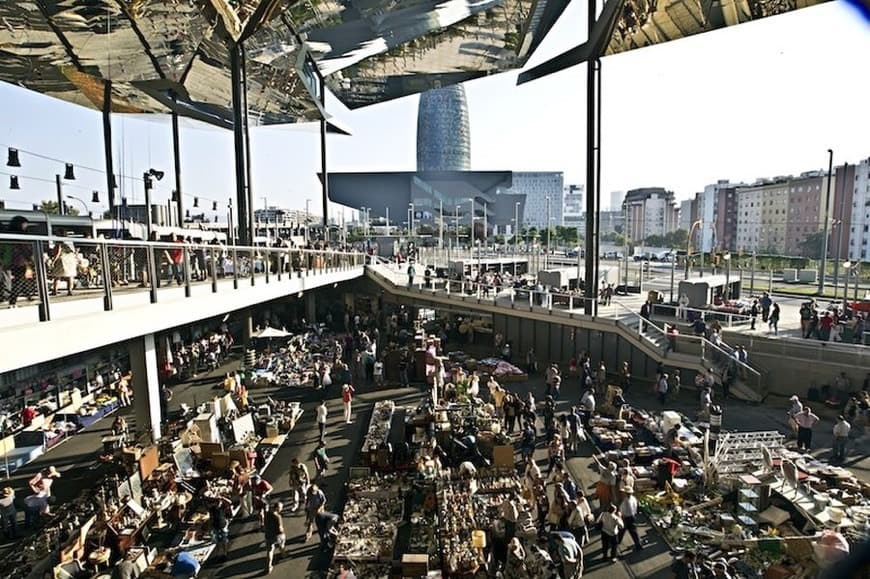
616	199
762	210
859	228
650	211
573	209
538	187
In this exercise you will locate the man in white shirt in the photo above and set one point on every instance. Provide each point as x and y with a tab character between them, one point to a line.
805	422
611	523
841	437
509	514
628	511
322	411
379	373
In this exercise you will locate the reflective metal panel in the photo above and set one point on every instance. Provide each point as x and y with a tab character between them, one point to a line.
646	22
384	50
152	49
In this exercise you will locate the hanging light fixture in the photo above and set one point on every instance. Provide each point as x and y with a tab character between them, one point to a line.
70	173
214	205
187	214
13	161
196	201
174	196
123	201
95	197
13	182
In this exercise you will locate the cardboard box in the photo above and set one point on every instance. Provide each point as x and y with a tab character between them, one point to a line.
415	565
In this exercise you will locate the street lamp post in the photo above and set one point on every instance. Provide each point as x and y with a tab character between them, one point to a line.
824	261
307	219
410	220
74	198
547	254
727	257
456	227
752	277
689	246
485	227
441	224
471	231
148	183
846	269
516	233
388	220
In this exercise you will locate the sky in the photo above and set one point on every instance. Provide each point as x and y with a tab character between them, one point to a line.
761	99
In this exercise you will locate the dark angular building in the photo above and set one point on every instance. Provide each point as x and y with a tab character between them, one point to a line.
443	135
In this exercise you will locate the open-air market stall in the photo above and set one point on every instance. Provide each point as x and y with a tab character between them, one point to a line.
431	513
742	497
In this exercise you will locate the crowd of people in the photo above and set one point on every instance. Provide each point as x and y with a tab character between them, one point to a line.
830	325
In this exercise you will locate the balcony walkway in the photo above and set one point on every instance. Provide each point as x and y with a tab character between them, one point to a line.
81	322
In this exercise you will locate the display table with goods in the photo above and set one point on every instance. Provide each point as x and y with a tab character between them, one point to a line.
294	364
371	517
430	520
738	496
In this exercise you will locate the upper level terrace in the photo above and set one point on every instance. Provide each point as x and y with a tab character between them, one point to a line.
125	289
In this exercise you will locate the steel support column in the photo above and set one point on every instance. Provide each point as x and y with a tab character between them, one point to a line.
592	135
325	179
107	144
247	135
240	113
176	157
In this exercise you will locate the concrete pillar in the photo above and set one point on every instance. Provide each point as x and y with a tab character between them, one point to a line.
310	308
247	328
146	385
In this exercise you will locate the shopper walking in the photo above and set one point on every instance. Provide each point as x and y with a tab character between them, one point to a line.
8	514
569	554
806	420
321	460
43	481
841	437
347	399
795	409
610	523
220	512
773	319
273	529
322	412
299	481
628	512
165	399
315	502
261	489
662	389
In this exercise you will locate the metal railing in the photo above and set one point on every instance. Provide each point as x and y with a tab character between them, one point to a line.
42	270
571	305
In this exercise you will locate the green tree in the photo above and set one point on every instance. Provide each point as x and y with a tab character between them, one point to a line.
812	244
677	238
51	208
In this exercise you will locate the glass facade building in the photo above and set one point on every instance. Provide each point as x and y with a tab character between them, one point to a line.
443	134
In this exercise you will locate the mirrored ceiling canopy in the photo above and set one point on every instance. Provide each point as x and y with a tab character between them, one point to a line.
163	55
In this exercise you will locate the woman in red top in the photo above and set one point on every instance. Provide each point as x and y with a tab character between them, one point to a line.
175	256
347	398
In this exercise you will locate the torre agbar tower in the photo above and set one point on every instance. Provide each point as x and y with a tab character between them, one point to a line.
443	138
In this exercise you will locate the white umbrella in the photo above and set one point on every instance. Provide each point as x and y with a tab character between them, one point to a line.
269	332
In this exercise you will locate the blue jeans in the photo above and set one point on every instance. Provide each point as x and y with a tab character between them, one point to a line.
176	272
840	447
